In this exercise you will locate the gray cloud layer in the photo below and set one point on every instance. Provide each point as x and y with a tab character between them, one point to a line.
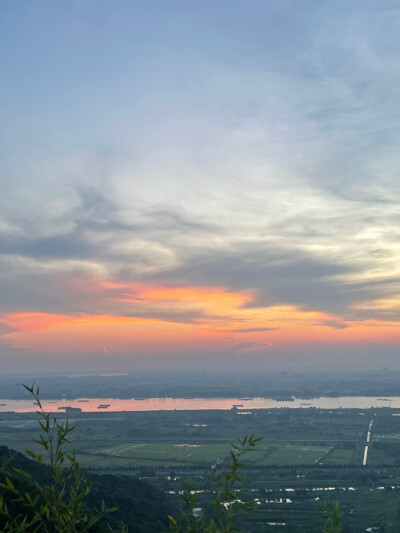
41	272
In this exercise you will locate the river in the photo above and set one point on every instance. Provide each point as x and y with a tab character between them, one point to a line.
168	404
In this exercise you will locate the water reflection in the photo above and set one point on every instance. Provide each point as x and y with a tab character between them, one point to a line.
169	404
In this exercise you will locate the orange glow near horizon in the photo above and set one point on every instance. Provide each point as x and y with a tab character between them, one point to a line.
29	322
223	322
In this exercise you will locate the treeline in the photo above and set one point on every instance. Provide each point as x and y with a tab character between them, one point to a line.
146	470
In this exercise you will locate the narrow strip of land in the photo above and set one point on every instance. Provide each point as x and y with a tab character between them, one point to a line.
368	440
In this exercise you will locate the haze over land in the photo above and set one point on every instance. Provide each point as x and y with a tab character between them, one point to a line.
199	185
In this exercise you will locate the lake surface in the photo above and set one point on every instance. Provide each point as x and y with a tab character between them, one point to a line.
169	404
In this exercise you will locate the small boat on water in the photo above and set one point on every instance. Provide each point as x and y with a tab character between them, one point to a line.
103	406
83	401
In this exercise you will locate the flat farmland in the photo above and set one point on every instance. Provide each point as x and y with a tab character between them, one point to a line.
339	456
137	454
166	454
287	454
199	438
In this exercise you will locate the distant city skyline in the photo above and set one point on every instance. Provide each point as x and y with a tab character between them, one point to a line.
199	185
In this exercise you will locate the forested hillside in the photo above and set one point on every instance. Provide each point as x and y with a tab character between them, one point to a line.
142	507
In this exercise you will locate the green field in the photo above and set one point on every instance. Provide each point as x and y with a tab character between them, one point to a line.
159	453
166	454
338	456
287	454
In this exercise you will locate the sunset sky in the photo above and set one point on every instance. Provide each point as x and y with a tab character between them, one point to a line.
199	184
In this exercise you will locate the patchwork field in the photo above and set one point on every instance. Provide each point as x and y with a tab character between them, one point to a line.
172	439
152	454
165	454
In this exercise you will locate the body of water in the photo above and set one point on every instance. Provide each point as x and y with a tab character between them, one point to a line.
169	404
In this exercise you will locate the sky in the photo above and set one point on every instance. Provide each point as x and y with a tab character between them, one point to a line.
199	184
